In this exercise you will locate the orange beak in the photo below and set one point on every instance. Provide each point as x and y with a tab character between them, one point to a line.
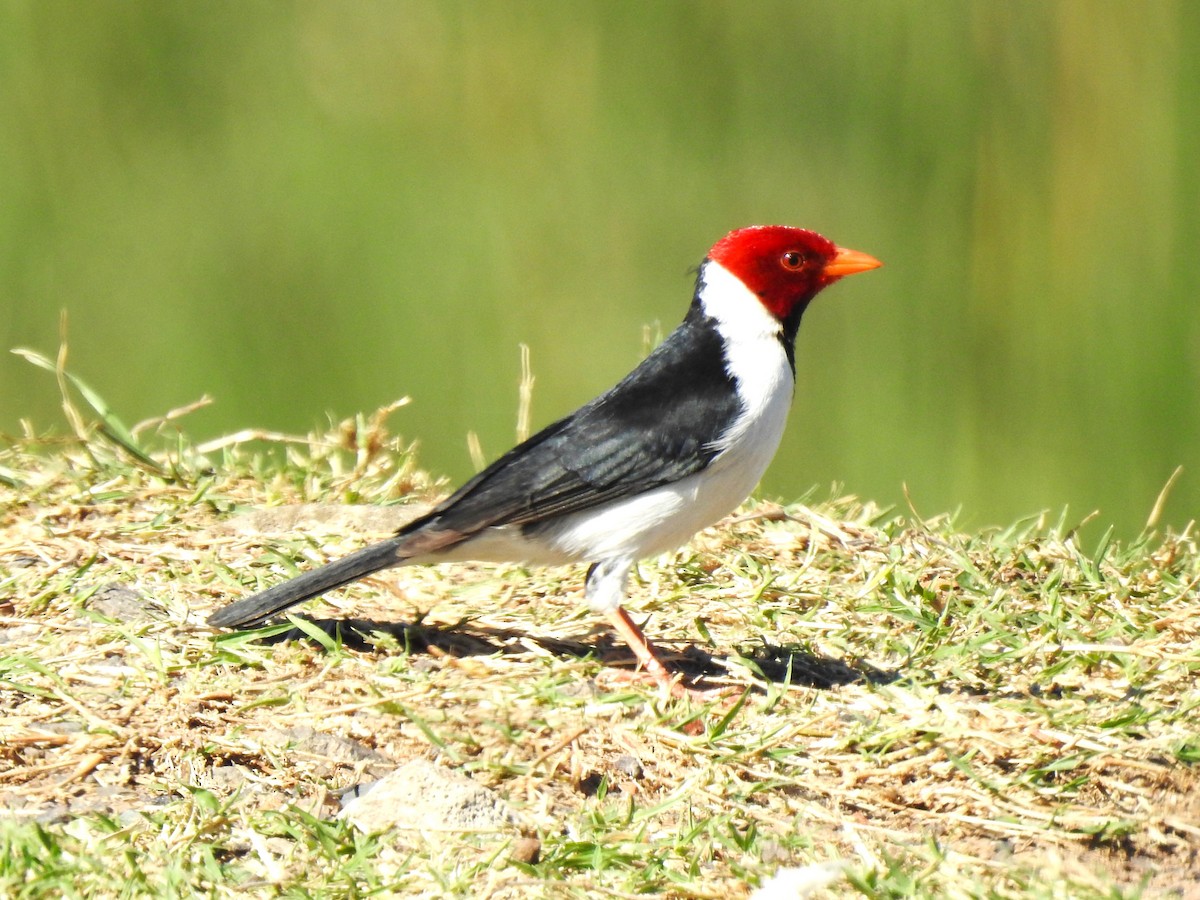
848	262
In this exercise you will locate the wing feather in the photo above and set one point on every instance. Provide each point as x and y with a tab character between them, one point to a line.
656	426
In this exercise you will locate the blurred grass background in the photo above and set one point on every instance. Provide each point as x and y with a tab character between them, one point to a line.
305	208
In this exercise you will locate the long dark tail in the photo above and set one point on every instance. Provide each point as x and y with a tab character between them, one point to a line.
258	608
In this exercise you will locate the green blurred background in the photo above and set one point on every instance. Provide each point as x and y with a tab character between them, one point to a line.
311	208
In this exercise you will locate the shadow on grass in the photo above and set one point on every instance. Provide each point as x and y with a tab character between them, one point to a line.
778	663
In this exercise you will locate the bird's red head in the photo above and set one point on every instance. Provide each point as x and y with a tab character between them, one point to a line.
785	267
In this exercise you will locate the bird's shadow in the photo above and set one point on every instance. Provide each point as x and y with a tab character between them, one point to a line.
776	663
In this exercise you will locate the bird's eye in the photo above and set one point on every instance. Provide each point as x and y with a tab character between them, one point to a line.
793	259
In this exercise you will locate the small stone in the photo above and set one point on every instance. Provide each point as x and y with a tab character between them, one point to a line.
123	604
628	765
225	779
55	814
526	850
332	746
421	795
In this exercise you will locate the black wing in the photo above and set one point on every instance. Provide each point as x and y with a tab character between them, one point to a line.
655	427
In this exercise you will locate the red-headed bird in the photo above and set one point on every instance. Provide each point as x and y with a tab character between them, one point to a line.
679	443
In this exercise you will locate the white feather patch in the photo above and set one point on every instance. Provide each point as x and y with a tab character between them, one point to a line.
758	363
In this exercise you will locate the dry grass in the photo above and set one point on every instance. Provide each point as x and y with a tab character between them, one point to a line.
1006	714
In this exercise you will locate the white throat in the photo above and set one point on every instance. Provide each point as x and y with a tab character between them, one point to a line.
755	357
741	314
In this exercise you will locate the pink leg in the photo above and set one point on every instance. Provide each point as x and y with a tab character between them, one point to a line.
642	649
657	669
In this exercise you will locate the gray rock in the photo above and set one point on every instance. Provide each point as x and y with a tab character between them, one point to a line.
332	746
628	765
327	751
422	796
123	604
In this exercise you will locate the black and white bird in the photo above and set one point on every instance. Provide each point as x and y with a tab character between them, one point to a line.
679	443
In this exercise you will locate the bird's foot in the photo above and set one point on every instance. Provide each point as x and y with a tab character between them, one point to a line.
672	686
717	700
654	671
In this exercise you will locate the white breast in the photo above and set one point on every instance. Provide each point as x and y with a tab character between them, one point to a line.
759	364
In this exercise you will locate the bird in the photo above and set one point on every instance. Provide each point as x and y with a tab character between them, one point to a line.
679	443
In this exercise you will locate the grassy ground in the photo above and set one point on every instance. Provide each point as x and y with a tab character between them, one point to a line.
1006	714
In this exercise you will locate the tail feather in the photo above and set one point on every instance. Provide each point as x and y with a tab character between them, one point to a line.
258	608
